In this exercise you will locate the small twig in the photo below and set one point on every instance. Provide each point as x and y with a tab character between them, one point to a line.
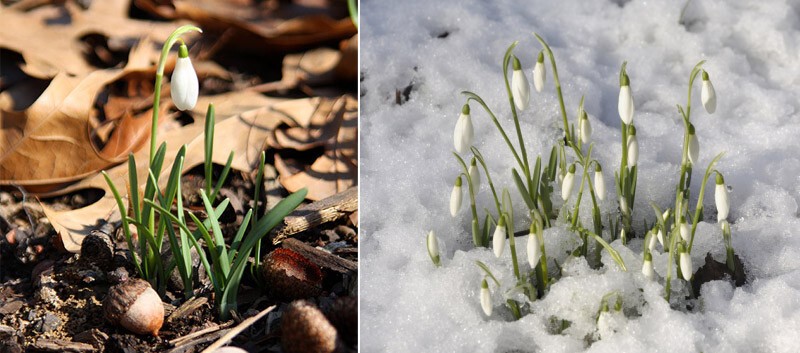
183	339
237	330
326	210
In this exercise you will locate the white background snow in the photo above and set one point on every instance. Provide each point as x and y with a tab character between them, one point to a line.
752	50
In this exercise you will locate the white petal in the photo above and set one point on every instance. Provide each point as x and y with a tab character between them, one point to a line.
651	244
625	105
686	266
566	186
709	96
539	75
534	250
633	151
433	247
599	185
721	199
486	301
475	177
185	87
647	270
520	89
586	131
455	200
623	205
694	148
499	241
660	237
463	134
684	230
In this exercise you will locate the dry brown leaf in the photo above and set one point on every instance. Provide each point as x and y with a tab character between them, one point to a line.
245	133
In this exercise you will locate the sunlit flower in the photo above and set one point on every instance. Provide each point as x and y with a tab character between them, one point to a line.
474	175
708	95
486	298
647	266
539	73
686	263
684	229
694	146
585	128
599	182
520	89
721	199
567	184
625	105
455	197
633	148
433	248
534	247
185	87
464	133
499	237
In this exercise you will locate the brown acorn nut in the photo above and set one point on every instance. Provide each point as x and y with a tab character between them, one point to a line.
304	329
290	275
134	305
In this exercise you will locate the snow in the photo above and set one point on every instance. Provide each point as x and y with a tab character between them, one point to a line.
407	172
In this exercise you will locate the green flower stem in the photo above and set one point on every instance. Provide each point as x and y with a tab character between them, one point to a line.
557	84
476	236
509	213
479	157
526	168
699	208
475	97
162	62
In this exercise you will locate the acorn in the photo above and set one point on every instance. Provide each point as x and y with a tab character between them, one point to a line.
134	305
304	329
290	275
343	314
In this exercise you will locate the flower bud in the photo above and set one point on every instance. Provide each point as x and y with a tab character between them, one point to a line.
651	240
623	205
464	133
539	73
569	181
694	146
660	237
686	263
684	229
499	238
185	86
534	247
455	197
625	105
708	95
647	266
633	148
520	89
721	199
433	248
599	182
474	175
486	298
585	128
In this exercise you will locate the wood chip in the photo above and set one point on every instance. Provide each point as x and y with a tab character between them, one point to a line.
321	258
187	308
308	216
48	345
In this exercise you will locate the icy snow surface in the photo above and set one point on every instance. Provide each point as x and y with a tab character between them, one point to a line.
752	50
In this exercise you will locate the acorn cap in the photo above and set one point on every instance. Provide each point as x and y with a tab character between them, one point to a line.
134	305
97	248
290	275
343	314
304	329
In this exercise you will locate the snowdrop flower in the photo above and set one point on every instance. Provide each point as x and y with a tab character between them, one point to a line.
660	236
623	205
708	95
499	238
651	243
684	229
721	199
647	266
534	247
464	133
686	263
184	88
474	175
599	182
539	73
520	89
625	105
585	128
569	181
694	146
486	298
455	197
633	147
433	248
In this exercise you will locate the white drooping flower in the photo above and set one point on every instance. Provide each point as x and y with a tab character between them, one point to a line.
694	146
651	242
539	73
499	237
433	248
660	236
647	266
455	197
625	105
686	263
474	175
486	298
684	229
585	128
599	183
567	183
534	248
708	95
520	89
633	148
721	199
464	133
185	87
